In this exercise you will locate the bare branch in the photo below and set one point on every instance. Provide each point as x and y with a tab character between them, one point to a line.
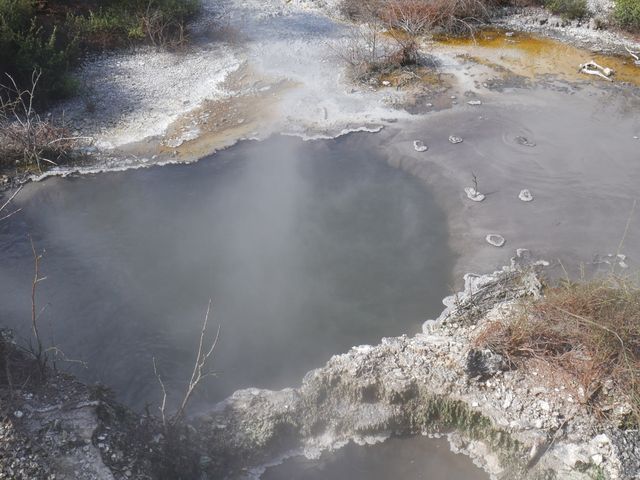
37	351
199	366
163	405
24	136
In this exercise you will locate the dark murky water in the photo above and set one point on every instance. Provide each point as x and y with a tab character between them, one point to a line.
305	248
418	458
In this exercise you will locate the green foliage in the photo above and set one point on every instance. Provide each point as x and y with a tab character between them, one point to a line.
49	36
569	9
25	46
627	13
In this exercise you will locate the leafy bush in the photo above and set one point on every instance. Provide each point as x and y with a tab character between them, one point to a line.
25	45
627	13
117	22
49	36
569	9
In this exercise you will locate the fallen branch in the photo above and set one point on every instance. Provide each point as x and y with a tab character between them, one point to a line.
635	55
592	68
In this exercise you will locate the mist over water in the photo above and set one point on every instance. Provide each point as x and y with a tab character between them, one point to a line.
306	248
415	458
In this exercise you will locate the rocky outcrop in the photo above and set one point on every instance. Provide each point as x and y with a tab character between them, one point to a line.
515	424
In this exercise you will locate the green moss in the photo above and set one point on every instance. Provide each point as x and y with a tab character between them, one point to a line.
441	414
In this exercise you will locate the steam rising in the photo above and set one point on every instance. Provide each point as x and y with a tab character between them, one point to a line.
305	248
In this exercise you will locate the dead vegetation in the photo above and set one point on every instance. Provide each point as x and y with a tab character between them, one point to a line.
28	141
387	40
370	55
587	333
421	17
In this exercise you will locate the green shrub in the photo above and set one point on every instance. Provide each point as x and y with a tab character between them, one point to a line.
51	39
569	9
627	13
26	46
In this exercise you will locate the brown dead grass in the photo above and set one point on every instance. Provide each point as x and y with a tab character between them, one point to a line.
588	331
419	17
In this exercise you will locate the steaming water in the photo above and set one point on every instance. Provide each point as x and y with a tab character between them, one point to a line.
305	248
417	458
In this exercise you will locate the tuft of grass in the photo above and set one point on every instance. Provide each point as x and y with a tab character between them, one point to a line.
569	9
587	331
627	14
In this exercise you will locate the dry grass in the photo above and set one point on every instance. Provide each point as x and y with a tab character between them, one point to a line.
419	17
587	331
26	139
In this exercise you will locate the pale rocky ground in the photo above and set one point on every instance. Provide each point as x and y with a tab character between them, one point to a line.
412	385
276	72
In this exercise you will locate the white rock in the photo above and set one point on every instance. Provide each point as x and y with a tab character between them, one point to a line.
525	195
597	459
18	414
601	440
495	240
473	195
386	83
474	102
453	139
419	146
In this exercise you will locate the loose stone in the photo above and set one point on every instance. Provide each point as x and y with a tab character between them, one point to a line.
495	240
525	195
453	139
419	146
473	195
474	102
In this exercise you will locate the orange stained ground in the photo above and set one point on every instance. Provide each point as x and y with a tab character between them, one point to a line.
531	56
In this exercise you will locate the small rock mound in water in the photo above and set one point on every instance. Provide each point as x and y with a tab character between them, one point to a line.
474	102
525	195
453	139
525	141
472	194
495	240
420	146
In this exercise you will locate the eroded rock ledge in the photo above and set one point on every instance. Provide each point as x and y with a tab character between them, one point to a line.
515	424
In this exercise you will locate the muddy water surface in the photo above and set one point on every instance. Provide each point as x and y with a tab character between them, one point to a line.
417	458
305	248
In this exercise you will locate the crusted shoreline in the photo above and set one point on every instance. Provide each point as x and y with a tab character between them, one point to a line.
513	423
